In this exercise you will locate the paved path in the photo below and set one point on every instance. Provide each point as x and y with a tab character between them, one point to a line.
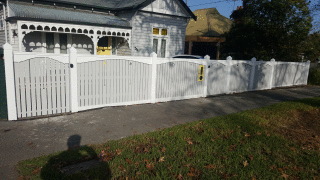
26	139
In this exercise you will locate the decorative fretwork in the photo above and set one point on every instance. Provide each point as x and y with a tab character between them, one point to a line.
93	32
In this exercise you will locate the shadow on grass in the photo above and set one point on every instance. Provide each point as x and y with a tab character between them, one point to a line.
78	162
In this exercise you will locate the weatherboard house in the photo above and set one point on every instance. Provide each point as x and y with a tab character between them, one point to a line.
102	27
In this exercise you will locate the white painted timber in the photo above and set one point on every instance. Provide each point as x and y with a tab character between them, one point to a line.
73	79
47	84
154	77
10	87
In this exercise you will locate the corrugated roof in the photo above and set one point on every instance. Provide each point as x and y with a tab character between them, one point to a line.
47	13
107	4
116	5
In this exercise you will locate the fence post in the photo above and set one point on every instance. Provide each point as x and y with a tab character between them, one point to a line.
153	77
272	62
206	75
229	64
73	79
253	72
10	86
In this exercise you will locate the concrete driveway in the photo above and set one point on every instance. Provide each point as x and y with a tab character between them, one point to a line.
22	140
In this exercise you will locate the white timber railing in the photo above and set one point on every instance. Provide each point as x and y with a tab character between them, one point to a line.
46	84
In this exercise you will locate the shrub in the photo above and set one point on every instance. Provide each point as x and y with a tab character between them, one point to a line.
314	76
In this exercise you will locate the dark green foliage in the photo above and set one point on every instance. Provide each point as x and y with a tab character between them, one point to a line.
269	29
3	95
311	47
314	76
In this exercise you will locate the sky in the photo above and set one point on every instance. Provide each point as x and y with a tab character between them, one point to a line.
225	7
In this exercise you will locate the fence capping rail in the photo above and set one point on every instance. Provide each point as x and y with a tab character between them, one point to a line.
10	87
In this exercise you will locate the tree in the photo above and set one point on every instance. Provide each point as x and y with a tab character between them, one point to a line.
268	29
312	47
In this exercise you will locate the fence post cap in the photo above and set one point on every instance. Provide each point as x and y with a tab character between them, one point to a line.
229	58
207	57
72	50
7	46
272	60
153	54
254	59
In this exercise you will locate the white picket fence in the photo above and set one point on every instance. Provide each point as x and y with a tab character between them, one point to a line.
47	84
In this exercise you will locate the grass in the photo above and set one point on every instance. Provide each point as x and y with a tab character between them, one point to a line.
275	142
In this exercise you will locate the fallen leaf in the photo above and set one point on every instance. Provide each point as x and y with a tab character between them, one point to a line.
189	141
247	135
285	176
161	159
245	163
121	168
210	166
193	172
118	151
106	156
180	177
150	166
251	157
37	170
163	149
128	161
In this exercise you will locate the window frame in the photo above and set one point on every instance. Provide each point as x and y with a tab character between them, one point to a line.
160	37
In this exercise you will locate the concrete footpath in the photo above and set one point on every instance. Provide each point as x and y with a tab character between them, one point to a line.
22	140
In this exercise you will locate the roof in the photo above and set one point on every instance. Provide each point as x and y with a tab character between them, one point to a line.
106	4
210	23
116	5
47	13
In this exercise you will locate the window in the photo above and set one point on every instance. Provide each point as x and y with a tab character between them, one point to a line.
50	42
155	46
160	36
163	48
156	31
164	32
2	22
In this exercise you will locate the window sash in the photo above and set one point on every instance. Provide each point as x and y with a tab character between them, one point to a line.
163	48
155	46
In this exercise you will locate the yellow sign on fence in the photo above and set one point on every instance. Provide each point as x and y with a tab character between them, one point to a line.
201	73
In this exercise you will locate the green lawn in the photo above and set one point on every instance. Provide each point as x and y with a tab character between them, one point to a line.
281	141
